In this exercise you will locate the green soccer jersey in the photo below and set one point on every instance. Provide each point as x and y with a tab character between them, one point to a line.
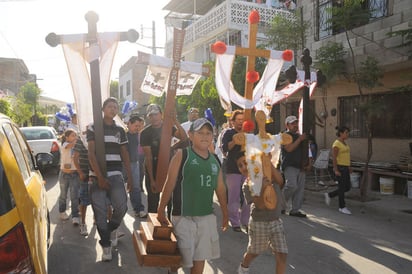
193	195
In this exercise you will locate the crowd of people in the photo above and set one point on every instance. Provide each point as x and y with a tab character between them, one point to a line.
195	174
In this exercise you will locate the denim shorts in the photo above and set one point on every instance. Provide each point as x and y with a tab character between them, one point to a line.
84	193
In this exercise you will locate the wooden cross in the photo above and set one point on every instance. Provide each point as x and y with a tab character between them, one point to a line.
165	140
169	109
251	53
53	40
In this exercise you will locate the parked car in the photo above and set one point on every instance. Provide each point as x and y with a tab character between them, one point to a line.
43	139
24	217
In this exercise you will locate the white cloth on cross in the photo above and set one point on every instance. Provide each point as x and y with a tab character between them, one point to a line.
157	75
271	98
224	85
78	53
254	149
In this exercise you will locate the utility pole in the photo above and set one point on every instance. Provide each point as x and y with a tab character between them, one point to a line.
153	47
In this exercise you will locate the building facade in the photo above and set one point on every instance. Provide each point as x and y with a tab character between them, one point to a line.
338	103
131	75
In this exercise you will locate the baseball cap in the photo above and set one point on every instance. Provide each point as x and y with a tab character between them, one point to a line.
153	109
290	119
191	110
199	123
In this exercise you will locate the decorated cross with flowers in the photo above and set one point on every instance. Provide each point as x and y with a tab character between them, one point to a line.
226	90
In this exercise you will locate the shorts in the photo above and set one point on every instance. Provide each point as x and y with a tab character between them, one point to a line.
197	238
267	234
84	193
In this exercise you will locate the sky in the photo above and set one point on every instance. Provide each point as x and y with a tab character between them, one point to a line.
24	24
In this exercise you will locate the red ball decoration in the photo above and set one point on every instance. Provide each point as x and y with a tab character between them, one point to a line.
219	47
252	76
287	55
254	17
248	126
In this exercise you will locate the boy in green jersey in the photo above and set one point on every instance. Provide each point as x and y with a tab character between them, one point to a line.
194	175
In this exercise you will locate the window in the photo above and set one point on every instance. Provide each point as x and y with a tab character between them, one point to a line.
128	89
394	121
376	8
121	92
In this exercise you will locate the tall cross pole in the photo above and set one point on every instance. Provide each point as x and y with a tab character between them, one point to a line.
92	19
306	60
251	52
165	139
92	39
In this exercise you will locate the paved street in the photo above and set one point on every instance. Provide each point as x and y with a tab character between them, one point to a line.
375	239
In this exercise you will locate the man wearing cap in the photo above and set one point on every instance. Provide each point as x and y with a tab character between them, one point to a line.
150	143
291	165
192	115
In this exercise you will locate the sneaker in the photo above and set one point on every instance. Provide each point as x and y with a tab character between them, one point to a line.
64	216
327	199
107	254
242	270
297	214
345	211
76	220
83	230
142	214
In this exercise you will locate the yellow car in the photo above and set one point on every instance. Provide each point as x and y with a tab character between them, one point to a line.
24	218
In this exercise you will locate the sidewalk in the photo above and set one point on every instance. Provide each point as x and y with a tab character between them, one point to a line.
377	203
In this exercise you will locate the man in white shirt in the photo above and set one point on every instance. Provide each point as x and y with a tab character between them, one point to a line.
192	115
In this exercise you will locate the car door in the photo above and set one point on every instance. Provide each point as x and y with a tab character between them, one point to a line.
28	207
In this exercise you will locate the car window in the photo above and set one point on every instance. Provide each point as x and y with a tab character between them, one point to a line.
18	154
25	148
6	196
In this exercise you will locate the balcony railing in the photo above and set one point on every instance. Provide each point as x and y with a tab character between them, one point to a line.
230	14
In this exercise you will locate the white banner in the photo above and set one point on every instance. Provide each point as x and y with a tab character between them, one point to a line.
158	71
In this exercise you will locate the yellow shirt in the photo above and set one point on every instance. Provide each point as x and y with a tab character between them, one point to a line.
343	157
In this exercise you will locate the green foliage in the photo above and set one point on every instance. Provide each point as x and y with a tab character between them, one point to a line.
287	34
5	107
114	89
348	15
330	59
22	112
29	94
370	73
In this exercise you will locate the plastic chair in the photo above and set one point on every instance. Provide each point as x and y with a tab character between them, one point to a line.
320	178
321	167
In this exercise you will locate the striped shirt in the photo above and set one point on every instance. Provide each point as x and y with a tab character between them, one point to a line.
114	138
83	157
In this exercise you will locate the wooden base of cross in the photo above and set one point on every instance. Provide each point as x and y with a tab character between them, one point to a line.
156	245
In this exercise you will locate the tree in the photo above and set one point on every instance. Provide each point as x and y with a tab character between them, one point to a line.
114	89
5	107
344	17
330	60
285	33
28	98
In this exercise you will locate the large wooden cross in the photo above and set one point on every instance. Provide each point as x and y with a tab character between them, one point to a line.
165	139
251	53
53	40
